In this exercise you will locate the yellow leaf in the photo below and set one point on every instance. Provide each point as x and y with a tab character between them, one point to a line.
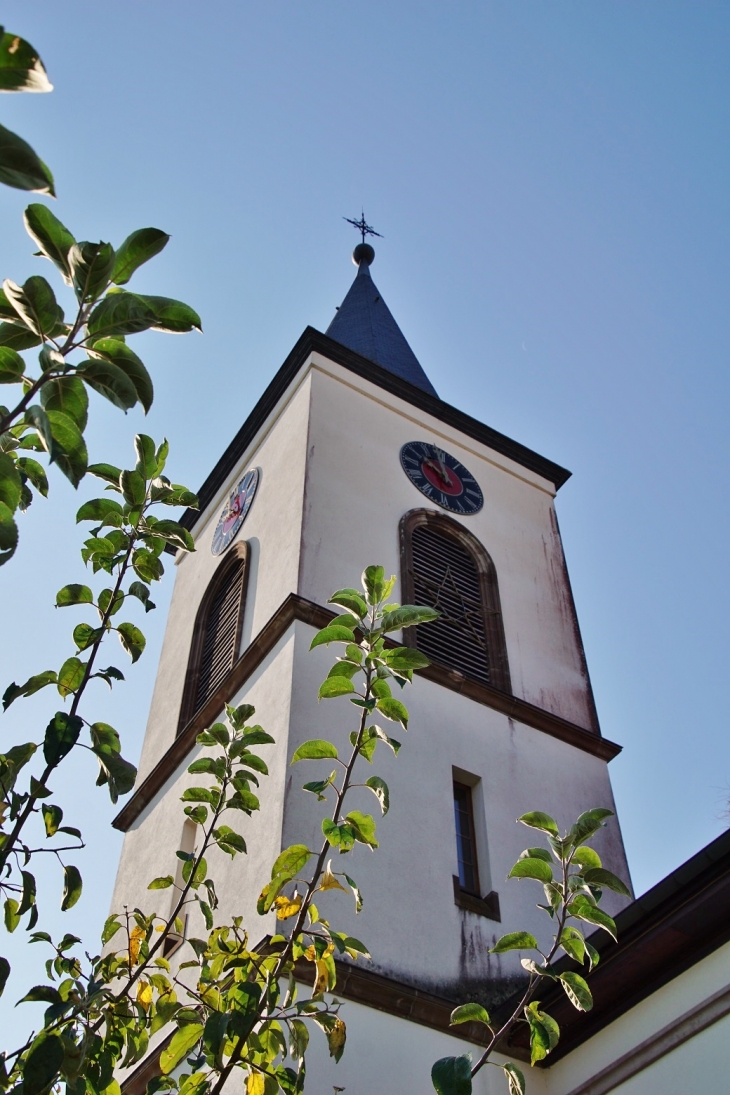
255	1084
135	941
144	994
329	882
287	906
322	979
310	953
336	1038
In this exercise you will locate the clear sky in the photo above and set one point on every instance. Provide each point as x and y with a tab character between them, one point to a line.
551	181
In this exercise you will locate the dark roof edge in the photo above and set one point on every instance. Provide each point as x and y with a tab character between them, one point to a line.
313	340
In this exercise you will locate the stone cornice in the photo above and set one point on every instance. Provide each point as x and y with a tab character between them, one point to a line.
299	608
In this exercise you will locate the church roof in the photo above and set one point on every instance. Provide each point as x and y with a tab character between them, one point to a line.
364	324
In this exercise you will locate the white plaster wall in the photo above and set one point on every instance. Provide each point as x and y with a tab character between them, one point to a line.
690	1067
389	1056
356	494
272	529
150	845
415	931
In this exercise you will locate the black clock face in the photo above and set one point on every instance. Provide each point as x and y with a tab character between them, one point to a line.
441	478
234	512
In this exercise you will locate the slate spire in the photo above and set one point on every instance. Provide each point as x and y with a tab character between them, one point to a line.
364	323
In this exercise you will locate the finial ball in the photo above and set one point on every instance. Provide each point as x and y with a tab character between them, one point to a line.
363	253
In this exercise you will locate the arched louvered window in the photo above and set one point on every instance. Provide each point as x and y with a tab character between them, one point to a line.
446	567
217	633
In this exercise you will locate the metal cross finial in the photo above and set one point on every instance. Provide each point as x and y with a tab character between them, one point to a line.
362	227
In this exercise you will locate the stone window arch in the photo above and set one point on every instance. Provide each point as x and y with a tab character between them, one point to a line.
445	566
216	634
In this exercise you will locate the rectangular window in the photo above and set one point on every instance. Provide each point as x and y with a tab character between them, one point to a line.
466	845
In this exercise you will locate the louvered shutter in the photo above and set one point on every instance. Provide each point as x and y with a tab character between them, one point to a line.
445	576
220	641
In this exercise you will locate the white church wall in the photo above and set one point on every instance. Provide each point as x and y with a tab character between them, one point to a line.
150	845
410	921
697	1063
356	494
272	529
391	1056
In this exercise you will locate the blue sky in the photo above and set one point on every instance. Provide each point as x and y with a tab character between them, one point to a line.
551	181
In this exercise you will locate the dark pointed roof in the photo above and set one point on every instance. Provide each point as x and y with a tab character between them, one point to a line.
364	324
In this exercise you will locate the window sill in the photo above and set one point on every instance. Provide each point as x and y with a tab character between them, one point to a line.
483	906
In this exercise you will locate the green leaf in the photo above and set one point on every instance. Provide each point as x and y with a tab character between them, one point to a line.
452	1075
468	1013
537	820
363	826
597	876
85	635
74	595
380	789
583	909
142	593
532	868
175	534
8	533
589	823
144	447
69	448
408	616
291	860
184	1039
32	685
35	473
544	1032
10	481
21	69
105	510
43	1063
593	956
11	915
71	887
515	1079
171	316
120	313
133	487
394	710
91	266
228	839
132	640
29	893
586	857
405	659
107	472
53	238
61	735
332	687
110	929
67	394
110	381
514	941
356	892
335	633
577	991
573	943
163	883
70	676
12	366
537	853
350	599
20	167
52	818
137	248
35	305
119	354
316	749
374	584
4	974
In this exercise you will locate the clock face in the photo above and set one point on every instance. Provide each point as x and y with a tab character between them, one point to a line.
234	512
441	477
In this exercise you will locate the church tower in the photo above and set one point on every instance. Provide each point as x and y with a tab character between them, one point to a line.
350	458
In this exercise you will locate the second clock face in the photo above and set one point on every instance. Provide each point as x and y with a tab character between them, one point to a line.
234	512
441	477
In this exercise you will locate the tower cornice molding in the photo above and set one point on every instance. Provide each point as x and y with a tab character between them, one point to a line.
299	608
